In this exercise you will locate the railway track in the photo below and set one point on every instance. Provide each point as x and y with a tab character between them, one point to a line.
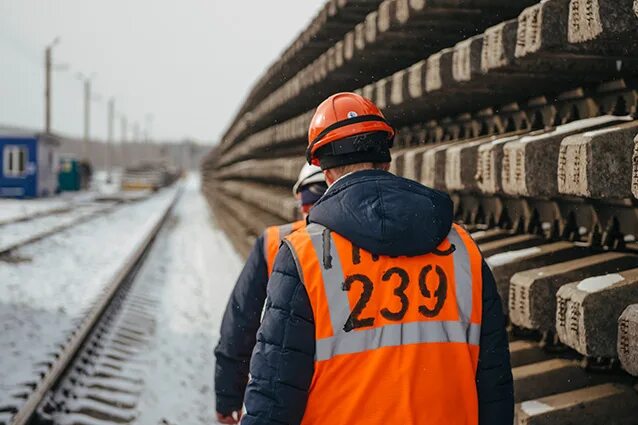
24	232
86	339
33	216
527	119
32	228
20	211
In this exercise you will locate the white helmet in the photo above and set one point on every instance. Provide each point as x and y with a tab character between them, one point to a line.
309	174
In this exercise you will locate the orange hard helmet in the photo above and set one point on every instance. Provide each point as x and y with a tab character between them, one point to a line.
342	116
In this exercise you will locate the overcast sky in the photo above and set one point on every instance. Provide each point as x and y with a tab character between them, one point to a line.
189	63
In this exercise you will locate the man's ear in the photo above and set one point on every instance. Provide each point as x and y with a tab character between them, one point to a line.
329	176
385	166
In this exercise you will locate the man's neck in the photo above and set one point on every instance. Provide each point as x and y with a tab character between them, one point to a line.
350	173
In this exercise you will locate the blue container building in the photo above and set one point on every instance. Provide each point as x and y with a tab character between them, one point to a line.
28	164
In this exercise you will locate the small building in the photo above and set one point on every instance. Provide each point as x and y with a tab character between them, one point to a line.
28	164
73	174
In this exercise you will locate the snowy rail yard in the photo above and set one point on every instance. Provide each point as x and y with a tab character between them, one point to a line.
147	155
174	305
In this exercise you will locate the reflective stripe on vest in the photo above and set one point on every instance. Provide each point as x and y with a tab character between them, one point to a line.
397	339
272	239
462	330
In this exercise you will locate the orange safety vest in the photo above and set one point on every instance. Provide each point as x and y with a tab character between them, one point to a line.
273	236
397	338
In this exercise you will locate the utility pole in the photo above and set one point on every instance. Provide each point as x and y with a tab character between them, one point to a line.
136	132
109	140
124	125
48	69
135	150
87	119
148	127
47	91
89	97
123	148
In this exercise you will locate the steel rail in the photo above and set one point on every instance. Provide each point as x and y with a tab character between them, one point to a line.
36	215
57	229
28	410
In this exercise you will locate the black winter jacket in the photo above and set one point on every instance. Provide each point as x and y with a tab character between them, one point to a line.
238	331
385	215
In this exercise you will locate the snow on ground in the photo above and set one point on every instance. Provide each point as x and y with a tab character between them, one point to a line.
16	233
16	209
175	306
194	267
42	300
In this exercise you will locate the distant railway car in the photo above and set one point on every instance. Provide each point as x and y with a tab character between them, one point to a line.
74	175
147	177
29	164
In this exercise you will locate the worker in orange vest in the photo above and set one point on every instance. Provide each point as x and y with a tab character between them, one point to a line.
381	310
243	312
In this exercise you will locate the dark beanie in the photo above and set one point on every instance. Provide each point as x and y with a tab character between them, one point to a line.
366	147
311	193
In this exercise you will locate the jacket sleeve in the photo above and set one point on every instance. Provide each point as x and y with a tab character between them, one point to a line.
239	327
282	364
494	375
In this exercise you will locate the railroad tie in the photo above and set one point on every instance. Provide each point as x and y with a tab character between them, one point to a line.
588	311
532	302
490	235
602	404
628	339
546	378
603	21
598	164
525	352
489	165
511	243
413	161
525	157
433	166
460	165
505	264
397	166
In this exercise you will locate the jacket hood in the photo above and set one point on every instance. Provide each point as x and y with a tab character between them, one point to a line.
385	214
